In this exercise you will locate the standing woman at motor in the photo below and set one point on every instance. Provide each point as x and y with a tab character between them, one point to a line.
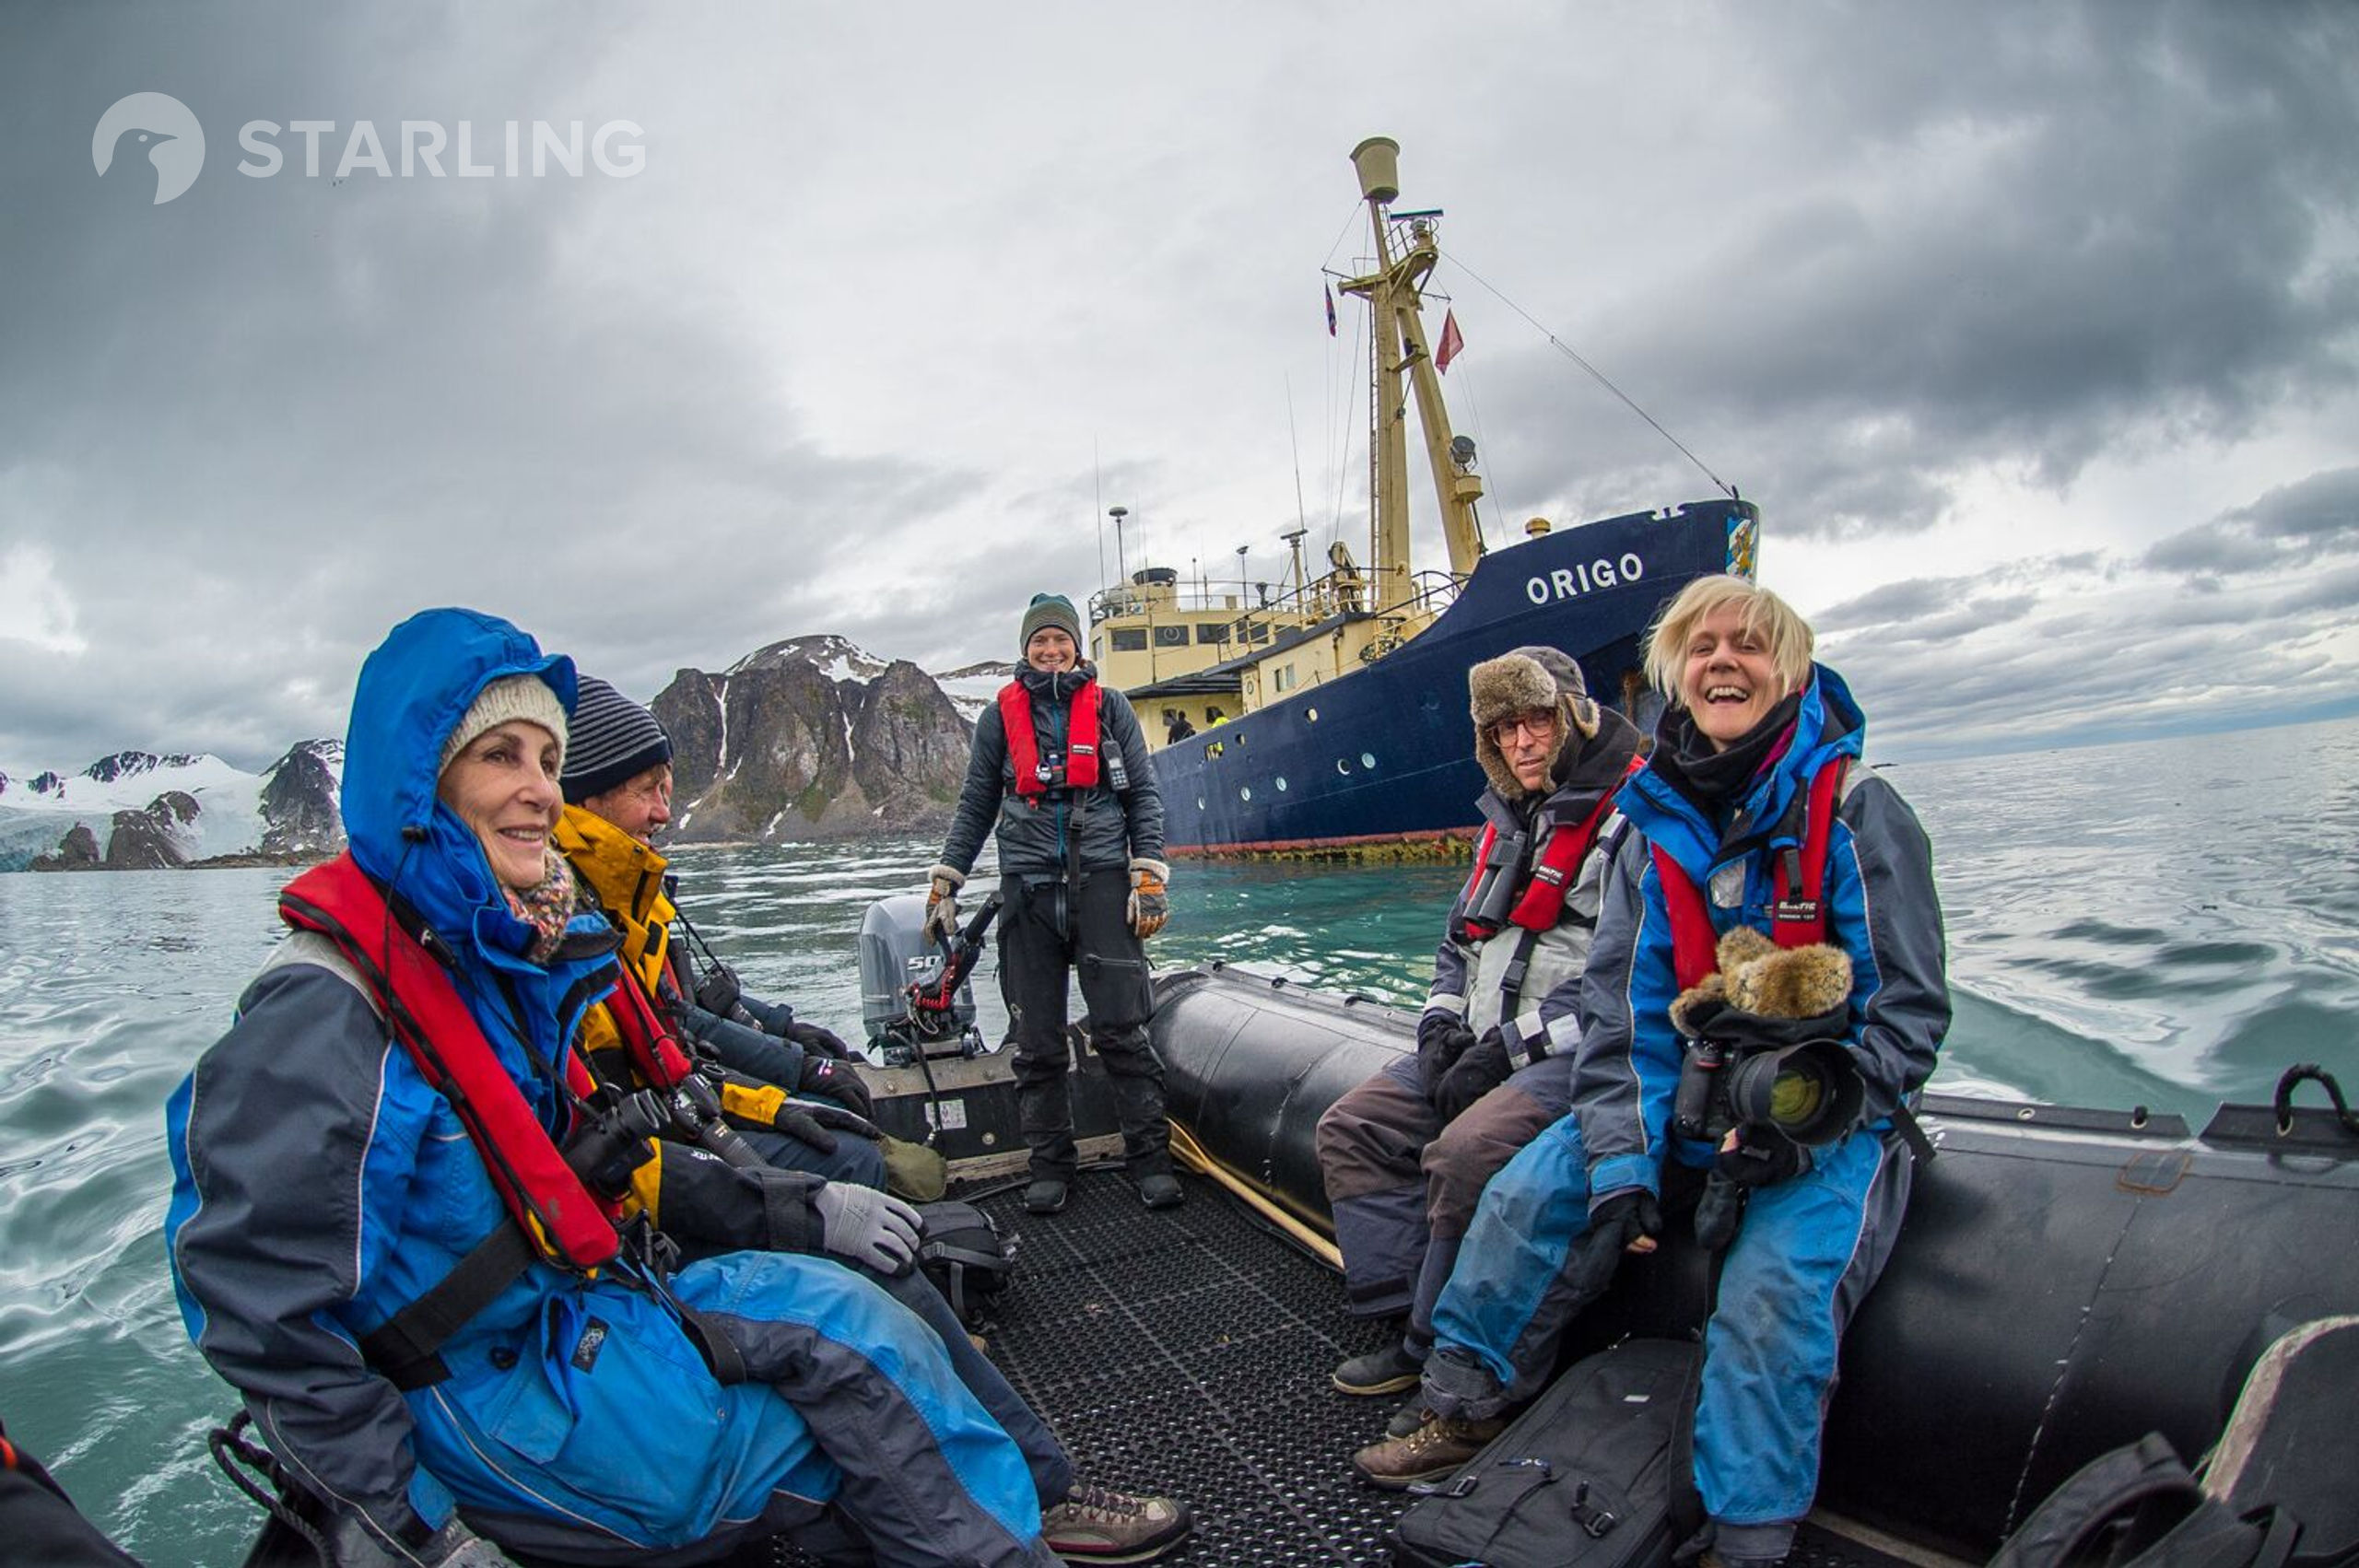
1060	774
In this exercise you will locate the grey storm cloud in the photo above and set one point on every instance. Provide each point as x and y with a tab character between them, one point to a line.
1901	249
2098	221
2289	526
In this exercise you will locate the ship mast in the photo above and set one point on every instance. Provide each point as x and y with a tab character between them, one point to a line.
1394	295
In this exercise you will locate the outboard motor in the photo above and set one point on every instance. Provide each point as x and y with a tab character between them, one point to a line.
915	1001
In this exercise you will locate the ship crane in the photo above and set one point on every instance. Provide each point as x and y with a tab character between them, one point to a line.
1395	293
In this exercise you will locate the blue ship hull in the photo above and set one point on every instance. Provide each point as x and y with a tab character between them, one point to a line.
1384	753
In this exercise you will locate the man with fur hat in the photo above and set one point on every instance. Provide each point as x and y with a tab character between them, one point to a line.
1061	777
1405	1154
618	784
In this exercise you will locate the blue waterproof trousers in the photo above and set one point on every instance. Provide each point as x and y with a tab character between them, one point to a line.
1804	1259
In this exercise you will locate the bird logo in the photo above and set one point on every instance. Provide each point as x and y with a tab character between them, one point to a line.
148	141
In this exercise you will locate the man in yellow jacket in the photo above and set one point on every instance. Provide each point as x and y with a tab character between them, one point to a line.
786	1094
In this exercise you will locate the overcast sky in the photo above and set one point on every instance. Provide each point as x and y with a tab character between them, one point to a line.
2031	328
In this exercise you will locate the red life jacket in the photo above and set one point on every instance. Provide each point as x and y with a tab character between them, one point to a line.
565	1222
1798	918
1553	870
1080	769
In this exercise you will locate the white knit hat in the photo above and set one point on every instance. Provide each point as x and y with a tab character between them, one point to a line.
528	698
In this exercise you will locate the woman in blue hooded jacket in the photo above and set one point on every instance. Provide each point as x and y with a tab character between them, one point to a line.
1723	803
329	1174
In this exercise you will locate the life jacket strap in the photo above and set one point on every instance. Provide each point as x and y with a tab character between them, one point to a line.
404	1349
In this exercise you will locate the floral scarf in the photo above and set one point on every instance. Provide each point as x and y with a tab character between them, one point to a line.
545	906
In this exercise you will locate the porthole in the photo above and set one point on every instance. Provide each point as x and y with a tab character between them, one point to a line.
1200	802
1245	791
1368	759
1310	716
1282	783
1343	766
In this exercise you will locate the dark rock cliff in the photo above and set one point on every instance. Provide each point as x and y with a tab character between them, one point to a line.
301	814
811	739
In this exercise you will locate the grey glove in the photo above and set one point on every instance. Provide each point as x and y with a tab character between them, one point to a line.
867	1226
354	1542
1150	901
941	903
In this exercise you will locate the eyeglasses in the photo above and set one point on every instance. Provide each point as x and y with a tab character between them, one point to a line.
1540	722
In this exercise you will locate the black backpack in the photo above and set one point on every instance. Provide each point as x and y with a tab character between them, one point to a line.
2277	1490
967	1259
1594	1473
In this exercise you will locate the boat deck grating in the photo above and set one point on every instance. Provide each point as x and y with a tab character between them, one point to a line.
1187	1352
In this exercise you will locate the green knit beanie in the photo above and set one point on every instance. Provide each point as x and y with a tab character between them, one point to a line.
1049	610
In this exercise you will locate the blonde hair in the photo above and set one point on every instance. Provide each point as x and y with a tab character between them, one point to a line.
1763	615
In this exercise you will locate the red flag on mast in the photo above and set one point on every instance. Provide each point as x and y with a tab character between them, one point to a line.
1450	342
1329	294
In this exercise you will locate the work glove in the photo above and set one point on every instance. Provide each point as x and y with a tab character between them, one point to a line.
1756	1156
816	1037
1615	1225
718	990
810	1119
1149	906
941	903
1442	1038
837	1082
867	1226
1480	1067
353	1543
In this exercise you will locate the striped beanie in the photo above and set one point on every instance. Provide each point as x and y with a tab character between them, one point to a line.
615	741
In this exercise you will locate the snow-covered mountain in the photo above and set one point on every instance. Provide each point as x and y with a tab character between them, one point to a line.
142	810
974	687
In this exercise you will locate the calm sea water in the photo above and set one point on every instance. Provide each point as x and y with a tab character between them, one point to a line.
2167	923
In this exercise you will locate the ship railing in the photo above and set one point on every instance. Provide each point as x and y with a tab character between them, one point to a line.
1252	623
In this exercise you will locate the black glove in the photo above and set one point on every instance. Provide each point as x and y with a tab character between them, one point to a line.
718	991
836	1080
1761	1155
810	1119
1480	1068
813	1037
1612	1226
1441	1040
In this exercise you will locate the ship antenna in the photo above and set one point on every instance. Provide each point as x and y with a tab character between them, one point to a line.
1301	517
1566	350
1098	483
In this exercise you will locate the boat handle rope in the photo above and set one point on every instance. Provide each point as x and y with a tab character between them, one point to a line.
236	1456
2311	1071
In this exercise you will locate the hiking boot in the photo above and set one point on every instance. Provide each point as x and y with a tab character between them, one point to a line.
1413	1413
1387	1371
1096	1523
1044	1195
1433	1452
1162	1190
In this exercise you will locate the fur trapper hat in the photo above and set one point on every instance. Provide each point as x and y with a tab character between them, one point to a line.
1756	976
1517	683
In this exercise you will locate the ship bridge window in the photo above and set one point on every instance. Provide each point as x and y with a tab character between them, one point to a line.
1259	631
1171	637
1283	681
1212	634
1129	639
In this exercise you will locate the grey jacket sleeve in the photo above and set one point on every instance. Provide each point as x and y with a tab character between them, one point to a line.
1894	918
1142	806
978	797
282	1119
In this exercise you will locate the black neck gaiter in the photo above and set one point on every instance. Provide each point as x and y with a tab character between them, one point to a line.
1686	758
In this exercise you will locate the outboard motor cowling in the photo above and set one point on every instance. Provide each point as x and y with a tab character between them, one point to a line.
895	956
